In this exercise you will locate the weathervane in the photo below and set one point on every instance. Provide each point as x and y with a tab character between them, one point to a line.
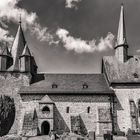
20	19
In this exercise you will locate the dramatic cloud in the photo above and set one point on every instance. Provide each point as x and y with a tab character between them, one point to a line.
10	12
72	3
138	51
80	46
4	36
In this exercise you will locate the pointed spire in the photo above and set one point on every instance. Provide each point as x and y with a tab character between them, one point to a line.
121	38
26	51
18	47
121	48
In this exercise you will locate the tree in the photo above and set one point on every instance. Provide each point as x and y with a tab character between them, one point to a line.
7	114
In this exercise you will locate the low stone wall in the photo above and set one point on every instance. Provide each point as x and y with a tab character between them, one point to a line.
133	137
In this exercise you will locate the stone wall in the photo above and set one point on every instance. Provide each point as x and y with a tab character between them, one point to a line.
78	105
122	107
10	83
90	120
26	107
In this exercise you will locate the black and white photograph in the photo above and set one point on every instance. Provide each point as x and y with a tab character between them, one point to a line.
69	69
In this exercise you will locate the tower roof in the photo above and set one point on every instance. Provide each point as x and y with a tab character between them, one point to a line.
121	37
26	51
5	51
18	47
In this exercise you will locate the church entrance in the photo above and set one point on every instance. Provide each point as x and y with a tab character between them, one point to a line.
45	128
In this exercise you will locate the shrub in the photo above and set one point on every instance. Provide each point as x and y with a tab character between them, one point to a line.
7	114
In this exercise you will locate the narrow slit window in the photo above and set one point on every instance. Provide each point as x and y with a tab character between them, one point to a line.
67	109
139	107
88	109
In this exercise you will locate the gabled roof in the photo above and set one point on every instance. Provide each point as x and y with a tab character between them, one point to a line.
5	51
46	99
30	123
18	47
69	83
26	51
117	72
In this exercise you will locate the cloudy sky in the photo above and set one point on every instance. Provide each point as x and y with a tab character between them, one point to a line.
70	36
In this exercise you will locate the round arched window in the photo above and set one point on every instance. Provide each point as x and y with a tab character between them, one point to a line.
45	110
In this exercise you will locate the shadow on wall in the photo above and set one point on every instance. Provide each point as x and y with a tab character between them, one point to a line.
7	114
59	123
134	116
37	78
77	125
30	124
134	132
83	127
117	107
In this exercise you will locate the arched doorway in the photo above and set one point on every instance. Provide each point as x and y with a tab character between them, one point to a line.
45	128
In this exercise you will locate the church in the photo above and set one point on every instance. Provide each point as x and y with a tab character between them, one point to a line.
80	103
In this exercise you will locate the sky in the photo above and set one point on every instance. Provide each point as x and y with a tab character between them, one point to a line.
70	36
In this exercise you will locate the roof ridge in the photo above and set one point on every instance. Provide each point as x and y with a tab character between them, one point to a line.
69	73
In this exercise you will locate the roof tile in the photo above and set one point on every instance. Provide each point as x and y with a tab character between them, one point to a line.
69	83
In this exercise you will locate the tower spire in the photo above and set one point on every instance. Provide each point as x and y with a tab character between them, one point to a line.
18	47
121	48
121	37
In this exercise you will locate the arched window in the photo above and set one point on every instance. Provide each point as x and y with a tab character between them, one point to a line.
45	110
88	109
139	107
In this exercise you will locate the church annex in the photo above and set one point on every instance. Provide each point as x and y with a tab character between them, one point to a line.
109	101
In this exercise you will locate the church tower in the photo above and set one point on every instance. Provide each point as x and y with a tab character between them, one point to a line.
23	61
121	48
5	59
18	47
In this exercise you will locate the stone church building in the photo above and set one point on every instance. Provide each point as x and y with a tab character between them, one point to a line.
109	101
